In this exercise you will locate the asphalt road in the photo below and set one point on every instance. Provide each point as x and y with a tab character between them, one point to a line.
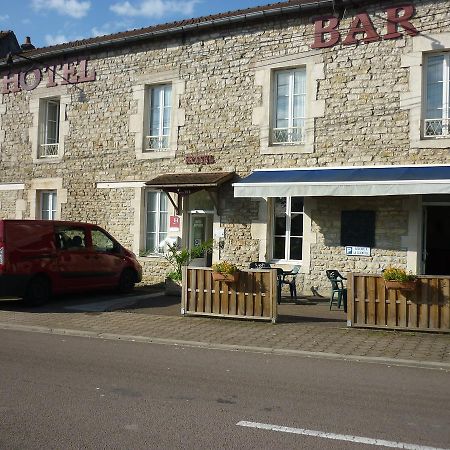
79	393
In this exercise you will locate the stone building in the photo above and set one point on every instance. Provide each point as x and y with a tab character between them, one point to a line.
302	133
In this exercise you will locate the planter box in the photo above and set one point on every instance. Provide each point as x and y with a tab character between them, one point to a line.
401	285
227	278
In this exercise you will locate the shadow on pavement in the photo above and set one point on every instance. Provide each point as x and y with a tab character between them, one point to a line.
151	300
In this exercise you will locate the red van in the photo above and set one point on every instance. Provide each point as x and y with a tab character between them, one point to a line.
39	258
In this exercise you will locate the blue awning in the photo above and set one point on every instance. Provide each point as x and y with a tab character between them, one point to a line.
346	181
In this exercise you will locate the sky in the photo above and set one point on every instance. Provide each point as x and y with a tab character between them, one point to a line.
50	22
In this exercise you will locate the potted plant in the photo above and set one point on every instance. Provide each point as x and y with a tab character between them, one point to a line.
225	271
179	257
397	278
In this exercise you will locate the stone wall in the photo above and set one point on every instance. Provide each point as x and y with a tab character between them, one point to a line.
362	124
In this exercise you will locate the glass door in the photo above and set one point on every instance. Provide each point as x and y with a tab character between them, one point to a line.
200	231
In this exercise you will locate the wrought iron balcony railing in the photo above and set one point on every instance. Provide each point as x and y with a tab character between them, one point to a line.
288	136
48	150
436	127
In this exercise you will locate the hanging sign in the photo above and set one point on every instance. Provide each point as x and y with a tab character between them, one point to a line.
174	223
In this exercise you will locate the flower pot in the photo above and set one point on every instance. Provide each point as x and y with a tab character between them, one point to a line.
401	285
226	277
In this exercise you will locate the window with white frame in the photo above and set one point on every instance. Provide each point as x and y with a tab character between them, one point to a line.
160	111
287	243
47	205
49	128
157	217
289	108
437	95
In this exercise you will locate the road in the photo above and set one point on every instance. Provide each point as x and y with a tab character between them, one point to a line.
61	392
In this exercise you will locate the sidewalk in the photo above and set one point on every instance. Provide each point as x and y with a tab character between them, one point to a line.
293	337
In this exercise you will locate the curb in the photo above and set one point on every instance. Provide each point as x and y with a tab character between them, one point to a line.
199	344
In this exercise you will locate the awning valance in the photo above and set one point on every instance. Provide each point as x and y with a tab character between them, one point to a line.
346	181
185	183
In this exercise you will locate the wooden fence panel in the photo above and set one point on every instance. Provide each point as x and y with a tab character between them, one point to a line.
253	296
371	304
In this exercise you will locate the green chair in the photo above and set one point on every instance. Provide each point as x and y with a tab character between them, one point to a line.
289	279
338	291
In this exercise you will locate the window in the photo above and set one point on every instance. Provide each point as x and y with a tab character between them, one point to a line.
47	203
289	113
101	242
70	238
437	112
288	228
160	109
49	128
157	216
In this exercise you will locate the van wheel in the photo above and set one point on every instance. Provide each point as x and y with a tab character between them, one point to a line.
38	291
127	281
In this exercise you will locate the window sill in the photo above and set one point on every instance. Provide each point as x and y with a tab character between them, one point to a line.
432	142
53	160
152	256
283	149
156	154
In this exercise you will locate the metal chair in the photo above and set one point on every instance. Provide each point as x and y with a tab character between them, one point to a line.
338	291
289	279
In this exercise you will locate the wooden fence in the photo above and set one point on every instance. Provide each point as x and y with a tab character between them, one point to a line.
427	307
253	296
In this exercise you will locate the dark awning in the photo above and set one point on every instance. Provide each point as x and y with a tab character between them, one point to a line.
184	183
346	181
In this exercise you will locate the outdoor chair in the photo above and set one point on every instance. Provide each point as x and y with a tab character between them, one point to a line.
266	265
338	291
260	265
289	279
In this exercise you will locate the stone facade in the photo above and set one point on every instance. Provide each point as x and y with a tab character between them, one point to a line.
356	118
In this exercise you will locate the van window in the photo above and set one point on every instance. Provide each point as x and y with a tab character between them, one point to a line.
70	238
101	242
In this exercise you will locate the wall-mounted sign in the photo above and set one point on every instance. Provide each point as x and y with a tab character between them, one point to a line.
174	223
199	159
328	34
68	73
357	251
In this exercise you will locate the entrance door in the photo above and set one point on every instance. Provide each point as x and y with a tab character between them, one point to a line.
200	231
437	240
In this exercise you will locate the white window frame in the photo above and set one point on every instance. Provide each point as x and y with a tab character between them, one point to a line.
38	107
294	136
287	236
53	204
159	141
49	149
431	126
158	221
139	122
262	115
413	100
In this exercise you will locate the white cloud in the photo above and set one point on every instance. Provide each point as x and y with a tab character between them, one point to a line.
54	39
4	18
109	28
72	8
155	8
